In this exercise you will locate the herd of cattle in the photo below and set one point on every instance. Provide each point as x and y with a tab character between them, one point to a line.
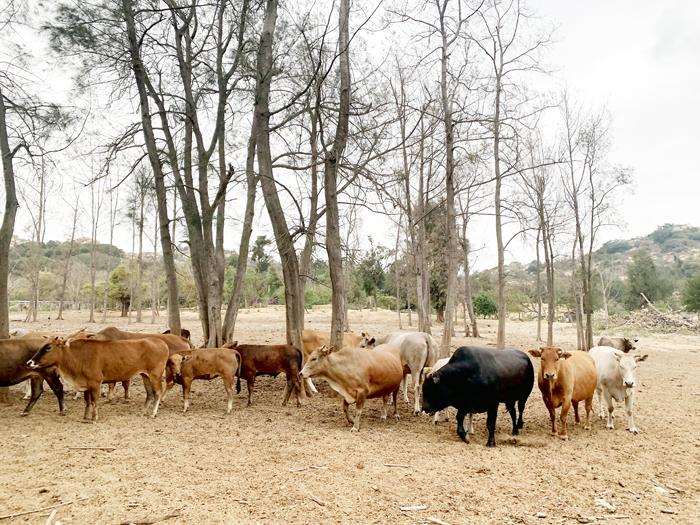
474	380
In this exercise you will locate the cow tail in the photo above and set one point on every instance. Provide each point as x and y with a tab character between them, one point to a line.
238	372
300	359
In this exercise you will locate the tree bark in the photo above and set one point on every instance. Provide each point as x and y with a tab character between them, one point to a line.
237	290
294	300
153	157
66	267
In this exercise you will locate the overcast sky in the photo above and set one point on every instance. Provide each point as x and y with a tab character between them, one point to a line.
643	58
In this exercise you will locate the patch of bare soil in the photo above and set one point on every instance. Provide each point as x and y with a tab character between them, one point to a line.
272	464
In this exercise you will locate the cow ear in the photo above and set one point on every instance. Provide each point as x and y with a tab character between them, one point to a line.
636	340
565	355
535	352
640	358
434	377
372	341
186	358
618	355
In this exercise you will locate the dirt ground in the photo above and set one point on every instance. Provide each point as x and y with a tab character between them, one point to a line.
270	464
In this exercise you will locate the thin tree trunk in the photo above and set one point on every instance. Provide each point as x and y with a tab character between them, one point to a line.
139	285
67	265
468	286
237	290
537	285
397	274
154	273
153	157
294	300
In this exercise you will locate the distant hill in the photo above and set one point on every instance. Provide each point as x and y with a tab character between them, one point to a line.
667	245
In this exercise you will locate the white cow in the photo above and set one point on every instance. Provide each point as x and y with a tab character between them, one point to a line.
617	373
418	350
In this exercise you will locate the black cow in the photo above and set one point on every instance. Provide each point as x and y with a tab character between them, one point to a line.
14	354
476	380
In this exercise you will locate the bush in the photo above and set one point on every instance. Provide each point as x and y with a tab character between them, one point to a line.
484	305
387	302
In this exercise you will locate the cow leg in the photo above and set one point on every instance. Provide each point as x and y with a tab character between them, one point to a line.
404	386
552	415
514	419
358	413
309	387
395	394
91	395
415	380
228	385
611	407
299	387
157	386
110	392
382	417
577	420
37	386
251	383
601	412
521	408
589	405
491	426
470	426
287	391
27	389
345	409
186	385
461	414
149	393
55	383
629	404
565	406
125	386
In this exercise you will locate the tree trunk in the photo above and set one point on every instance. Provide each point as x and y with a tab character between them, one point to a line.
67	265
139	284
294	300
537	285
397	274
468	286
237	290
154	273
153	157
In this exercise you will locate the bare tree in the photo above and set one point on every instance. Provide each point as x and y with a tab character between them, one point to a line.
69	254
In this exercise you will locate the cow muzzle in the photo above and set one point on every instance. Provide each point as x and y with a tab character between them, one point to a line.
31	364
550	376
629	384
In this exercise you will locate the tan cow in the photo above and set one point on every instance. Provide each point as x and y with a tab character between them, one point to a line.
315	339
358	374
84	364
565	378
205	363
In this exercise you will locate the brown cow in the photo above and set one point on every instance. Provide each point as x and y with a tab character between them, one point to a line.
565	378
358	374
84	364
14	354
315	339
184	332
270	360
205	363
176	345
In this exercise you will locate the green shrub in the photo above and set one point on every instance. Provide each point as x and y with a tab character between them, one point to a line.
484	305
387	302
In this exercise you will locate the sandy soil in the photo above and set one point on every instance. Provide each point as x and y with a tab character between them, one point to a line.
272	464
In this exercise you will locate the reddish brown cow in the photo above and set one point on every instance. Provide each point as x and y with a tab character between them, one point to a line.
84	364
565	378
270	360
205	363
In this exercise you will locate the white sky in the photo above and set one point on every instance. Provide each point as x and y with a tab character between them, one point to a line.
643	58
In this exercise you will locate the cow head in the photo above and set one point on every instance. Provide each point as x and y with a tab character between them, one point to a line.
627	364
49	354
175	366
316	363
434	393
549	356
367	341
628	344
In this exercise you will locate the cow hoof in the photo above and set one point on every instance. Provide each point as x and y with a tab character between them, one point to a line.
88	421
416	412
610	427
397	417
463	436
24	414
587	427
555	433
491	444
564	438
353	429
634	431
382	418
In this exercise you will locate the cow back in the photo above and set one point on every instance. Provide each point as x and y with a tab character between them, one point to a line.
14	354
176	344
585	377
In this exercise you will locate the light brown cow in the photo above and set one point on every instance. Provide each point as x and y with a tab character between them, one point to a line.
205	363
315	339
84	364
176	345
358	374
565	378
